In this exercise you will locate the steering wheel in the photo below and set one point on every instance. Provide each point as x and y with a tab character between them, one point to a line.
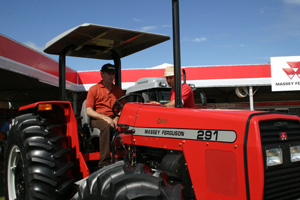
119	105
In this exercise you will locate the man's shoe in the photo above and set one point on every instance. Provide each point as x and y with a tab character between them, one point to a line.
103	164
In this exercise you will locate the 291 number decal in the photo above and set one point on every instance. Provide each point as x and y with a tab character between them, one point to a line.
207	135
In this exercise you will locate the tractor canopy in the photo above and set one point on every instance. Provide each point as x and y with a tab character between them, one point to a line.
97	41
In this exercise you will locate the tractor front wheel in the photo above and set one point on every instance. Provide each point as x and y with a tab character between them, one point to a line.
120	181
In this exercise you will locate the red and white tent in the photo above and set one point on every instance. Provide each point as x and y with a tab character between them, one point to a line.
20	59
22	69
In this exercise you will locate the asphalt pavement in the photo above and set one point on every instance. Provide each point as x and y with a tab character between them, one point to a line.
1	177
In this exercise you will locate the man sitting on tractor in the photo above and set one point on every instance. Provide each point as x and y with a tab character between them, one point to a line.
186	91
100	99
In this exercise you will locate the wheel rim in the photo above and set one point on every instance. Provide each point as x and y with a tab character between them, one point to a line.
15	180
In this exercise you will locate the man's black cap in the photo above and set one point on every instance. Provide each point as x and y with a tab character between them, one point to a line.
108	68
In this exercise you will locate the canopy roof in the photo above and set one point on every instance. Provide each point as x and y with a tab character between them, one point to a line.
97	41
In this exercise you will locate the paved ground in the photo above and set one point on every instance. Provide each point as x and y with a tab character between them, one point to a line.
1	178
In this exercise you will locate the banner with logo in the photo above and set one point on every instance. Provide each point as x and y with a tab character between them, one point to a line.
285	73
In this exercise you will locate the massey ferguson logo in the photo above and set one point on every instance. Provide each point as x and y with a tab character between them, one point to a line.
283	136
293	70
285	73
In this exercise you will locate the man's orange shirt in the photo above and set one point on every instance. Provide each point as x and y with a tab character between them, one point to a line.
100	99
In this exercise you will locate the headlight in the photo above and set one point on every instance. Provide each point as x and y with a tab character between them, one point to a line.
295	153
274	157
161	84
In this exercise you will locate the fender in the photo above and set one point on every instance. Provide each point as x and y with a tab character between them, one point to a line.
54	108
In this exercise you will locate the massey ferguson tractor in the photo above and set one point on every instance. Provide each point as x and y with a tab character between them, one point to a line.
157	152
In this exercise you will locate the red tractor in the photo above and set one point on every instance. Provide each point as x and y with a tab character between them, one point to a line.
158	152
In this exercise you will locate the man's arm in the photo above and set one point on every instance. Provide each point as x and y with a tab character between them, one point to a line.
93	114
170	104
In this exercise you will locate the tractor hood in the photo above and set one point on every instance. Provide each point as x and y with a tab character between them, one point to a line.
96	41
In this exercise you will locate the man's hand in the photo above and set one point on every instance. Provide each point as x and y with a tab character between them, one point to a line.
92	113
170	104
115	120
155	102
109	120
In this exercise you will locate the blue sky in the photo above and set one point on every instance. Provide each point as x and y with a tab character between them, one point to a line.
213	32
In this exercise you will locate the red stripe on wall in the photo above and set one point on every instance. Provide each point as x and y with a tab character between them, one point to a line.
15	51
193	73
229	72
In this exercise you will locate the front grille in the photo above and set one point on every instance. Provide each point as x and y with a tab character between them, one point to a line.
281	181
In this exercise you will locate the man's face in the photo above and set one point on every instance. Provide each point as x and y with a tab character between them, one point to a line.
170	80
108	77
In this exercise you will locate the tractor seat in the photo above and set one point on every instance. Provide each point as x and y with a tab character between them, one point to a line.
86	120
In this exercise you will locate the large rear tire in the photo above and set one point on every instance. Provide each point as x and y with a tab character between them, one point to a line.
38	163
120	181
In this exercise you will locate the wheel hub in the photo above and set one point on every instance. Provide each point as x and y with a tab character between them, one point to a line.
15	180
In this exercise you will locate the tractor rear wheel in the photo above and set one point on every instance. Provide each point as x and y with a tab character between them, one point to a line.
38	163
120	181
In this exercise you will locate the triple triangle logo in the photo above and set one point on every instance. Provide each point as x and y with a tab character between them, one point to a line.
293	70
